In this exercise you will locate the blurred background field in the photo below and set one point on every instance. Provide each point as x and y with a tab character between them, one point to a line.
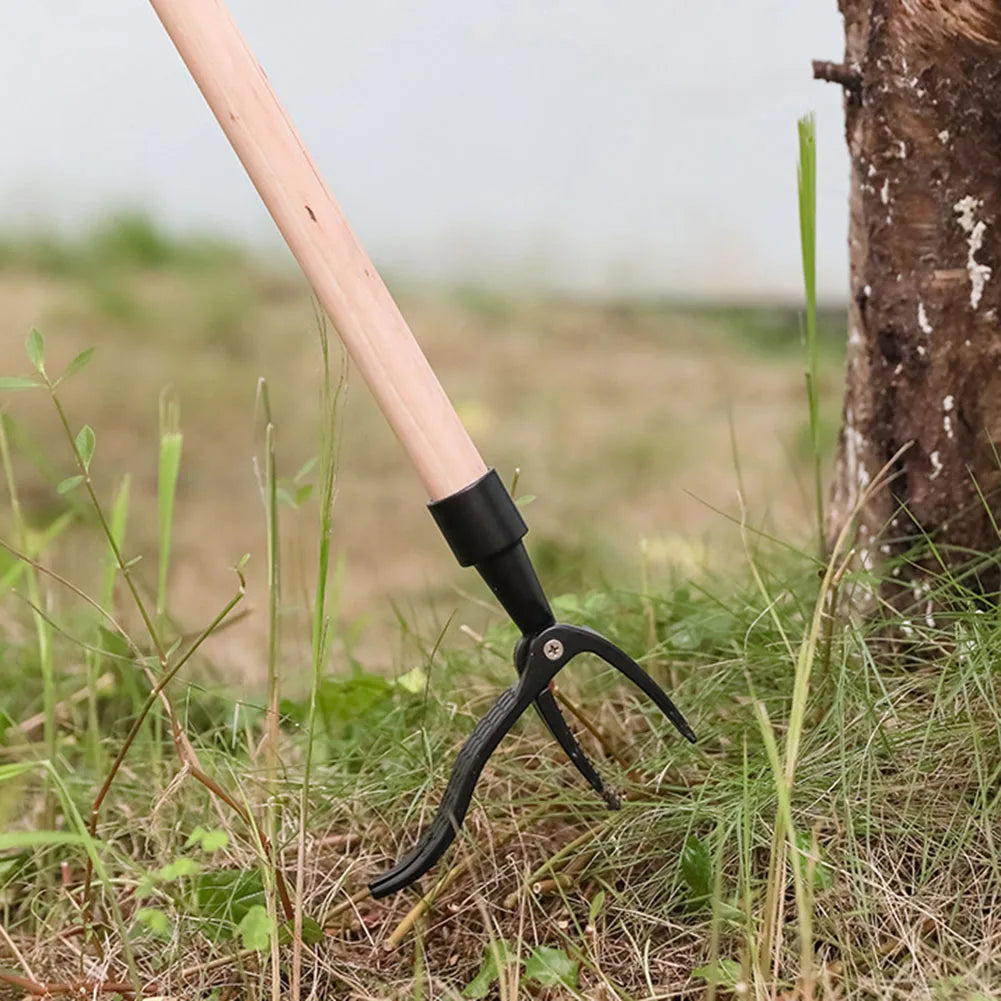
632	425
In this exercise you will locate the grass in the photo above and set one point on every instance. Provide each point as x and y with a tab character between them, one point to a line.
832	835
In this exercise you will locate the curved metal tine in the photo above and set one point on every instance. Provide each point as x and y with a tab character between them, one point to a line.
554	719
551	714
440	833
588	641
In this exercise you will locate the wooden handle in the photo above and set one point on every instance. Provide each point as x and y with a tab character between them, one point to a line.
353	295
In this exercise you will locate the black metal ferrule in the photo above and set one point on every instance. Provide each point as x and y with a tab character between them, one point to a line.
484	528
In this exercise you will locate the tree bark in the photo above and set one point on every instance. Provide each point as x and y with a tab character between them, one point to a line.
922	92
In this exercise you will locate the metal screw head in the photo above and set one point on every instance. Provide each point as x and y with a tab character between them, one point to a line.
553	649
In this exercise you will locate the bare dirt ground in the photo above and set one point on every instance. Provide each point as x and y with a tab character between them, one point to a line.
622	420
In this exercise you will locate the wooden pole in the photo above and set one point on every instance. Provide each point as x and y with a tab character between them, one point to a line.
349	288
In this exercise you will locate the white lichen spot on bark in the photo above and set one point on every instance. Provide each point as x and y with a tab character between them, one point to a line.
858	476
936	465
947	406
923	323
943	136
979	273
884	192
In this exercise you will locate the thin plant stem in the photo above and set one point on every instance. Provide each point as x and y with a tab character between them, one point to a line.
151	699
320	629
123	566
271	750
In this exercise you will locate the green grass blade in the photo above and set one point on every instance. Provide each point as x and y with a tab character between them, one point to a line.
171	444
807	184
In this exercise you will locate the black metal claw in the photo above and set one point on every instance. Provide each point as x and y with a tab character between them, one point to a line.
556	723
484	528
548	652
550	714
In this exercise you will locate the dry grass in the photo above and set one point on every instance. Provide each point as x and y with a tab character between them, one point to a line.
612	412
896	786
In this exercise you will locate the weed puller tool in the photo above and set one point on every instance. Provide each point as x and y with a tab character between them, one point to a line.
470	504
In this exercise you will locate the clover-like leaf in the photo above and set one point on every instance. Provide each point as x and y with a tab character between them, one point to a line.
81	361
255	928
69	484
18	382
178	868
722	973
312	931
496	957
34	345
86	441
155	920
551	967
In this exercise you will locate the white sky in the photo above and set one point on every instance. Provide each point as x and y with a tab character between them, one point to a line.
595	146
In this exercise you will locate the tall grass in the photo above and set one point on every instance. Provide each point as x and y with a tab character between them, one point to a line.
807	186
320	645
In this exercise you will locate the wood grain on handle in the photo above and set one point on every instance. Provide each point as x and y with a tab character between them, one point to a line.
342	275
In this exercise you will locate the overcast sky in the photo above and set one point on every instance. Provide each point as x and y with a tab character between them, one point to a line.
600	146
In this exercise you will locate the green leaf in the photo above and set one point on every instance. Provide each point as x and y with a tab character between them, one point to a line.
551	967
13	382
597	903
255	928
497	955
225	897
86	440
35	347
697	868
722	973
70	483
305	469
312	931
155	920
80	362
413	681
177	869
208	840
171	445
145	886
214	841
823	877
195	837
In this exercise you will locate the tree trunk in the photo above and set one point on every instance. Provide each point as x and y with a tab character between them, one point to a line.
922	87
